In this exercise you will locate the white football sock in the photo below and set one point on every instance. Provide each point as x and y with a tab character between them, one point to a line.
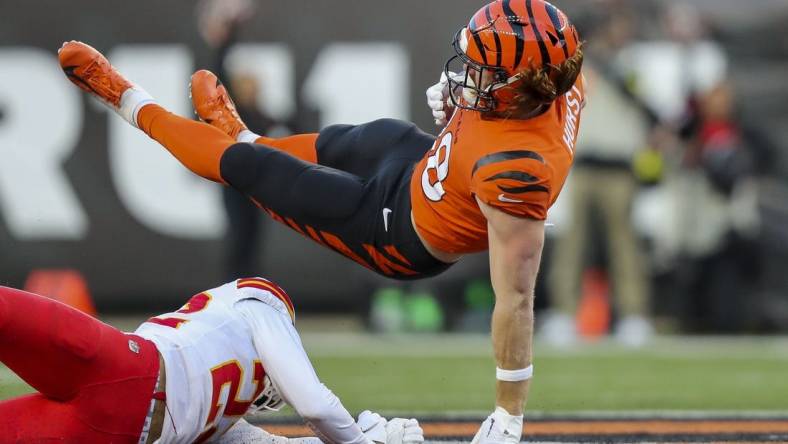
131	102
247	136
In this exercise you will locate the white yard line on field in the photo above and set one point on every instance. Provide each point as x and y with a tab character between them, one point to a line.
478	345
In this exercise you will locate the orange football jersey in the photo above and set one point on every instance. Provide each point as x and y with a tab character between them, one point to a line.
515	166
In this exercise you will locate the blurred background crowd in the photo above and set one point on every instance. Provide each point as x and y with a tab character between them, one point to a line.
673	219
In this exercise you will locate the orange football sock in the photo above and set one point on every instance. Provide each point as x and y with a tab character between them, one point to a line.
198	146
302	146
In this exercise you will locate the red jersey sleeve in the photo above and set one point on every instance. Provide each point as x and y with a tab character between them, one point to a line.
515	182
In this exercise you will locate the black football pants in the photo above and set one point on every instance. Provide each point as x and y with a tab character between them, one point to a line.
356	200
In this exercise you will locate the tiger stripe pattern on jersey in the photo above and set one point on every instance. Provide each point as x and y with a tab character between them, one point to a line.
390	262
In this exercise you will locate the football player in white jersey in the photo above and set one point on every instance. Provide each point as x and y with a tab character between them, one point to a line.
184	377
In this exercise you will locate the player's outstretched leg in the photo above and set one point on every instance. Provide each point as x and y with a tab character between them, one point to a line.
55	348
73	360
197	145
46	343
357	149
36	419
214	106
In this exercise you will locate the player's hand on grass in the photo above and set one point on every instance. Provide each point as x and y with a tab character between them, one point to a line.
500	428
373	426
404	431
438	99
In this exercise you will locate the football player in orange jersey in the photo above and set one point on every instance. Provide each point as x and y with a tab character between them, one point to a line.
395	199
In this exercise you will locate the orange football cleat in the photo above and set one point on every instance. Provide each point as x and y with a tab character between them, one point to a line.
91	71
214	105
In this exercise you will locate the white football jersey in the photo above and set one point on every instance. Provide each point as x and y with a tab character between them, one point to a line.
217	350
213	369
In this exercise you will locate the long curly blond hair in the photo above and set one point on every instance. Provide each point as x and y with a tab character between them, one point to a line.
537	87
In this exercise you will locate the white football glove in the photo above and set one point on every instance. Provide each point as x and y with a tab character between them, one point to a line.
500	428
404	431
373	426
438	98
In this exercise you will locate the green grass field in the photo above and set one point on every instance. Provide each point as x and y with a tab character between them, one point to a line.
439	374
442	375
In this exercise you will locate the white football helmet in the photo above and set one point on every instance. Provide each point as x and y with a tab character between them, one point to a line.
269	399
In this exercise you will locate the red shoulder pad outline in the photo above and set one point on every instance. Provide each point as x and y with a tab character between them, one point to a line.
264	284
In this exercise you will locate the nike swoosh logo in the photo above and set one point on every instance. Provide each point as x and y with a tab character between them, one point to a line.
386	212
502	197
70	73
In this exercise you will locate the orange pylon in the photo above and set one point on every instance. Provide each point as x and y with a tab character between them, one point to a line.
593	311
63	285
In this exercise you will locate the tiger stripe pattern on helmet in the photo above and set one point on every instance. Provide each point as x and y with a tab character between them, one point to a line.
520	34
504	41
496	37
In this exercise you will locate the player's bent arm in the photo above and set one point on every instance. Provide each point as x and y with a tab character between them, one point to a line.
515	252
286	363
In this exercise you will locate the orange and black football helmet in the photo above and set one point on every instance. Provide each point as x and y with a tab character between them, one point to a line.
503	40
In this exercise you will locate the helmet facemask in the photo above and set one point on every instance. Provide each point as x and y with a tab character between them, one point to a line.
269	400
474	88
